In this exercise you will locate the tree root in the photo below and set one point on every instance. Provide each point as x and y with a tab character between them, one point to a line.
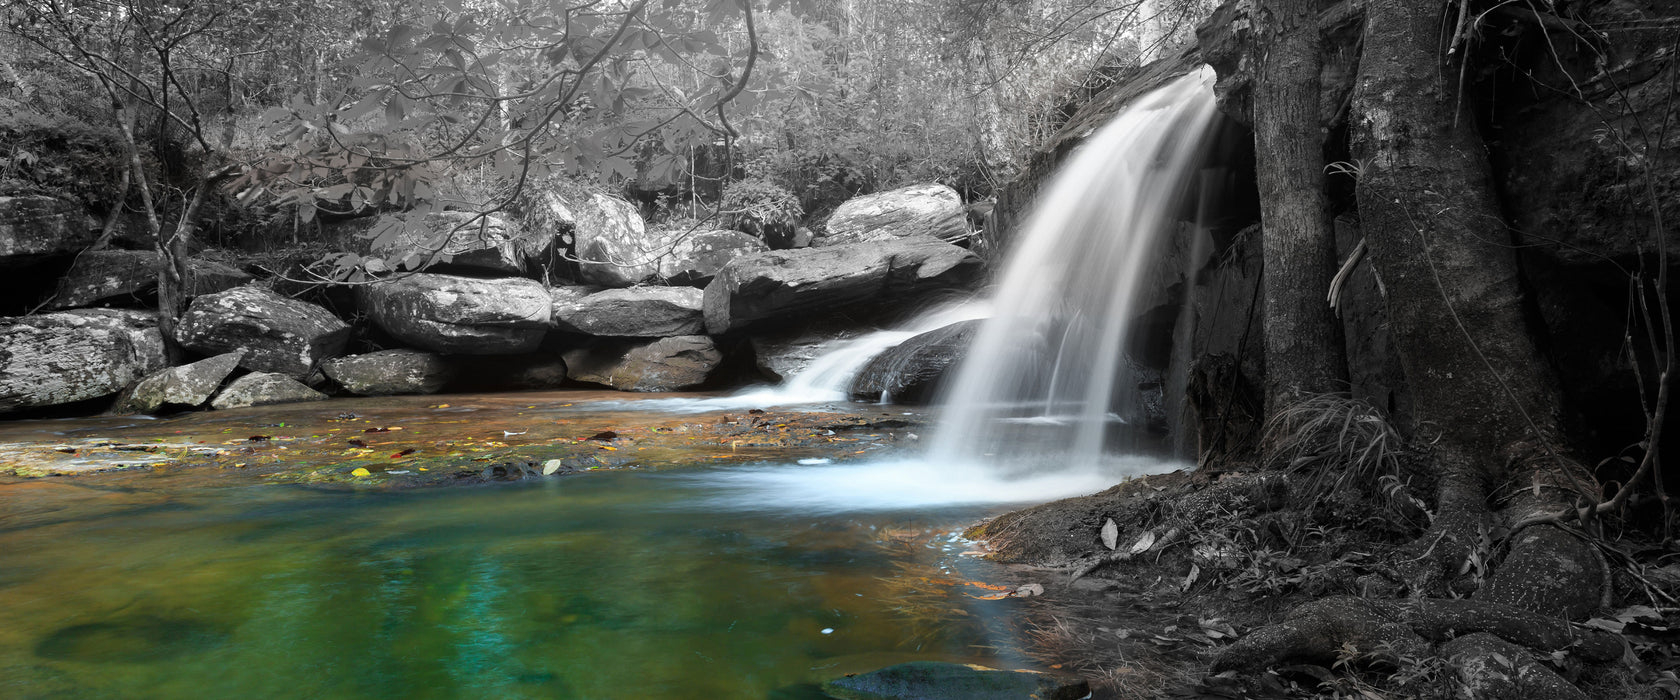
1491	646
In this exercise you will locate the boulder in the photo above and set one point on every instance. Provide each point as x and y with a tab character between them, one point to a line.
264	389
188	385
640	312
931	210
614	244
910	371
937	680
780	354
667	364
784	284
104	275
695	258
34	225
390	372
465	315
277	333
490	244
61	358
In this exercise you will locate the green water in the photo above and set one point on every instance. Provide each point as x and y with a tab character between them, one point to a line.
620	585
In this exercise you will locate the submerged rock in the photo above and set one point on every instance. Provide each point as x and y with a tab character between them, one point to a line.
188	385
277	333
935	680
264	389
103	275
668	364
911	371
786	284
782	354
67	357
931	210
390	372
639	312
452	314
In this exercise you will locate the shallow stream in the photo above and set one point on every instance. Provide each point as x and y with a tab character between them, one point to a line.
663	580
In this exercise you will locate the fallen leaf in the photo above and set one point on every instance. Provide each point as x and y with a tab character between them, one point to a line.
376	430
358	443
361	471
1029	590
551	466
603	435
257	438
1110	534
441	405
403	453
1144	543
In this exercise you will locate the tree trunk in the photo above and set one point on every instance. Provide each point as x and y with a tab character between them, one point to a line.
1483	393
1304	350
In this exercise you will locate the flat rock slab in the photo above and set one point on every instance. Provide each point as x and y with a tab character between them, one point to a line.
390	372
459	238
637	312
277	333
104	275
264	389
668	364
465	315
696	258
934	680
188	385
918	210
40	225
790	284
66	357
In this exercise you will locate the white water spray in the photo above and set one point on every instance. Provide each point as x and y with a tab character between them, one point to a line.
1045	383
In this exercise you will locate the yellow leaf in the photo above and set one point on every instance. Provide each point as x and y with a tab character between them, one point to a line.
361	471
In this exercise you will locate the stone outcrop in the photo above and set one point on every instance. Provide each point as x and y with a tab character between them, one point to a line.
931	210
695	258
390	372
186	386
277	333
106	275
459	239
911	371
465	315
264	389
35	225
668	364
781	285
62	358
641	312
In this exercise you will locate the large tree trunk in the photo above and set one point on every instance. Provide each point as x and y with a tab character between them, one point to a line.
1304	351
1483	393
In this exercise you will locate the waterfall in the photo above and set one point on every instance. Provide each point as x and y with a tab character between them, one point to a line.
1046	382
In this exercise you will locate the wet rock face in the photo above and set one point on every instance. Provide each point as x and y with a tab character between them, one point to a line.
451	314
931	210
186	386
264	389
668	364
460	239
782	354
639	312
911	371
39	225
390	372
105	275
277	333
790	284
62	358
937	680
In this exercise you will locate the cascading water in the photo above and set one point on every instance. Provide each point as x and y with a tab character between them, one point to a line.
1046	380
